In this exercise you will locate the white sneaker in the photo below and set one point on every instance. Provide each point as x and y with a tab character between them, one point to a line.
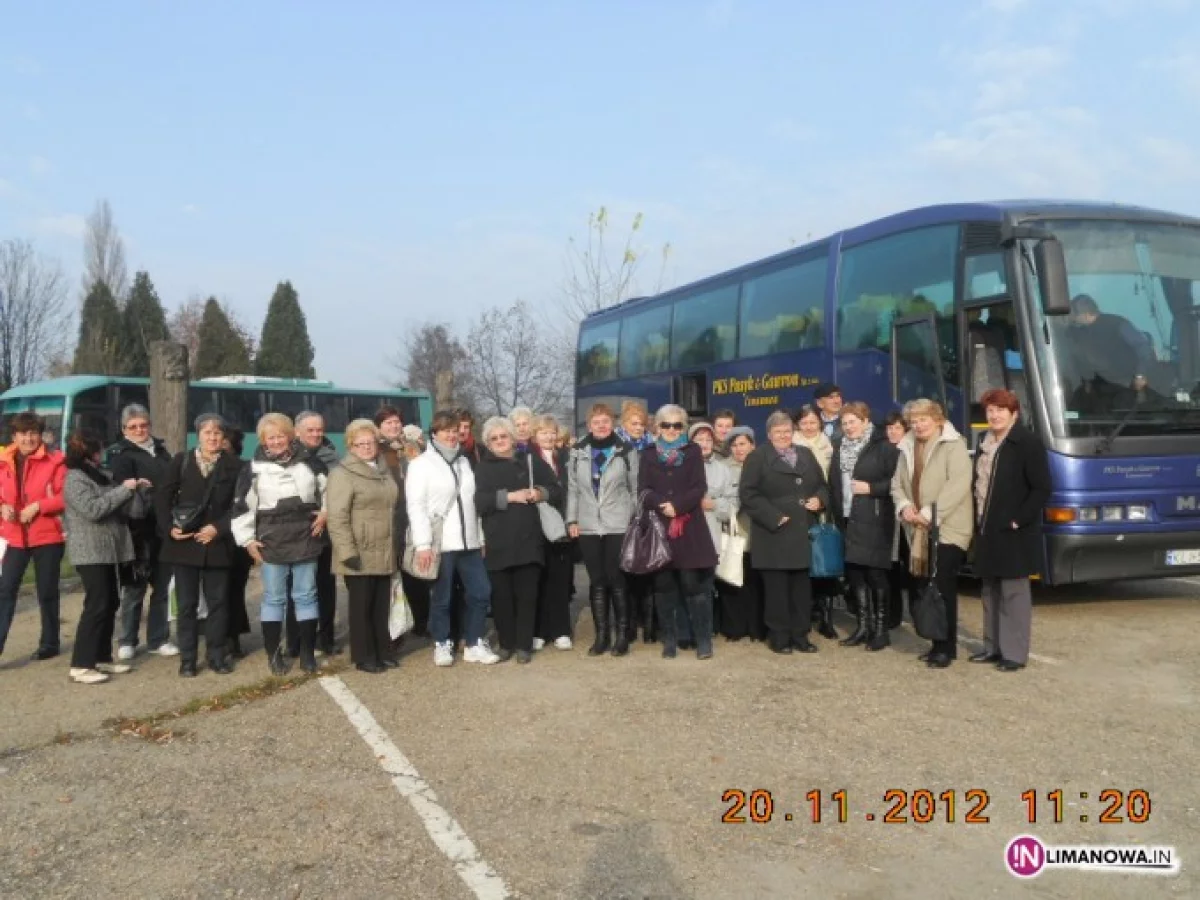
88	676
480	653
114	668
167	649
564	643
538	643
125	652
443	653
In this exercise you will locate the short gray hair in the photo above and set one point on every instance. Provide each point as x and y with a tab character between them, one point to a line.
497	423
777	418
520	412
134	411
307	414
208	418
671	409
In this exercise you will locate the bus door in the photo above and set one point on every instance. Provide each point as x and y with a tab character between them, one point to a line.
690	391
917	360
993	360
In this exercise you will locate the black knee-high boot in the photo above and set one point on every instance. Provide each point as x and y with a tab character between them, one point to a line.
599	601
272	635
862	610
308	646
825	618
621	620
879	615
665	606
700	610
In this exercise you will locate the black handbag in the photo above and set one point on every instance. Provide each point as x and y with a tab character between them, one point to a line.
645	548
927	606
187	517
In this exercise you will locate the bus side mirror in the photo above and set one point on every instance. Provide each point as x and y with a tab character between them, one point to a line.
1051	264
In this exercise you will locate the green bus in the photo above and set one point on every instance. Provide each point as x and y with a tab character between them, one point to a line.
95	402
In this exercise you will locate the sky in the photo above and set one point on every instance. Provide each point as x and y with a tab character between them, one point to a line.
405	162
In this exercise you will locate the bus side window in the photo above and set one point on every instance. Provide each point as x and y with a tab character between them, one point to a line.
995	358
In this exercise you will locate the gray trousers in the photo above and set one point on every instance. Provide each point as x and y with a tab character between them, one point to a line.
1007	617
158	624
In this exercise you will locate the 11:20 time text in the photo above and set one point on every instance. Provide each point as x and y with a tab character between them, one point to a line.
919	806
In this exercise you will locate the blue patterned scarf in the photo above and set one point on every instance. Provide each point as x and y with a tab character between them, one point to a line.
670	453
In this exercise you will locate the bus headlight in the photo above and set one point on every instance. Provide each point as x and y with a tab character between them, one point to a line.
1089	514
1112	513
1140	513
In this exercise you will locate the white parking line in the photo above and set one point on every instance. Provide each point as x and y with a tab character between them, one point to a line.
446	833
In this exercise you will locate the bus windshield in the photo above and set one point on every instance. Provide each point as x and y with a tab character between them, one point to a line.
1128	355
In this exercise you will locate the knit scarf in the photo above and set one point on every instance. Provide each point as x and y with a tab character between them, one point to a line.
638	444
449	454
204	464
789	456
984	463
848	459
670	453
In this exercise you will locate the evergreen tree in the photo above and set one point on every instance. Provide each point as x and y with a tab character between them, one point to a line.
222	350
145	321
285	350
101	347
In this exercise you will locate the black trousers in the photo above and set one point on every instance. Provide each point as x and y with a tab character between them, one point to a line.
188	580
514	604
239	574
369	604
417	591
326	606
554	596
602	558
950	561
47	560
787	605
742	607
101	600
866	577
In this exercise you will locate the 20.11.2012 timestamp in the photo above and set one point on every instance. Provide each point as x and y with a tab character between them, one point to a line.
923	806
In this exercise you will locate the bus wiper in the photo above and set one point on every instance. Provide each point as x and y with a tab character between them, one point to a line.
1105	444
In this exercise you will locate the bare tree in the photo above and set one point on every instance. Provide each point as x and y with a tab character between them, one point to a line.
184	324
434	360
104	253
34	313
596	277
513	363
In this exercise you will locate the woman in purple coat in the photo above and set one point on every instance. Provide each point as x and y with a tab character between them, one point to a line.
671	482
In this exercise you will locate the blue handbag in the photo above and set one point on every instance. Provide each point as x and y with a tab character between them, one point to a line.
828	551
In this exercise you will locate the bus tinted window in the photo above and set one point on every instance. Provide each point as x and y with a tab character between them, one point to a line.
132	393
784	310
241	409
200	401
705	328
332	408
983	276
287	403
598	352
895	277
91	413
363	408
646	343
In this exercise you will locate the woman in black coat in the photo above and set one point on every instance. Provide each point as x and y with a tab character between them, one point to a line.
238	620
782	489
203	554
1011	486
672	485
512	532
554	596
860	487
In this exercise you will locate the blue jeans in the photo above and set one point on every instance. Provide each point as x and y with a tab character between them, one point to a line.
158	625
275	590
478	587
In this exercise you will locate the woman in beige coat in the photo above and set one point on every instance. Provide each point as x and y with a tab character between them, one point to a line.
362	497
935	471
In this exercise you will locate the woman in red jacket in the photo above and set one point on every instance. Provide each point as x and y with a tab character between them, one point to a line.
31	506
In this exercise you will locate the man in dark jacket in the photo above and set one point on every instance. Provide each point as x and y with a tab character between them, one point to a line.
141	455
828	398
310	429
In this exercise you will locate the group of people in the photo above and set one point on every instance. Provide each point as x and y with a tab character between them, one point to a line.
497	526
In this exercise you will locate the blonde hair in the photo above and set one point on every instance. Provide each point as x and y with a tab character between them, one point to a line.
631	408
923	407
547	422
357	427
520	412
275	420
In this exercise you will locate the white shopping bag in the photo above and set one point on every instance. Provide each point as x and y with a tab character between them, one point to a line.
400	617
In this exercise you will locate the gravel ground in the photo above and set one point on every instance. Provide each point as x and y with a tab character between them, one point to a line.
603	778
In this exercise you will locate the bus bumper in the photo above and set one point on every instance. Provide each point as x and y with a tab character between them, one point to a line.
1075	558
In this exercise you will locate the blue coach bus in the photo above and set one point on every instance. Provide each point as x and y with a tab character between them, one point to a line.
1088	312
95	402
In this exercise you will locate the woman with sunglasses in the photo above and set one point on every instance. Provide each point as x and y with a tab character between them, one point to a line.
673	485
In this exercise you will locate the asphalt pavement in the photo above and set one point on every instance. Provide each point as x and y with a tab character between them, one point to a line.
576	777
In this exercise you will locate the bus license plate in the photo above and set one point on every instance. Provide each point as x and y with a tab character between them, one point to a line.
1183	557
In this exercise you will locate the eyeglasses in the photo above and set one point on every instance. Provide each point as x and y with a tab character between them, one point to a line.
498	438
363	445
138	426
670	426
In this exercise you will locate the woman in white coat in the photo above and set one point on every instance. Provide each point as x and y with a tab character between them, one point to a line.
440	495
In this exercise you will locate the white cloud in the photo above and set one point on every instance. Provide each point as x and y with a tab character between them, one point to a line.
1008	73
1170	161
71	225
39	166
